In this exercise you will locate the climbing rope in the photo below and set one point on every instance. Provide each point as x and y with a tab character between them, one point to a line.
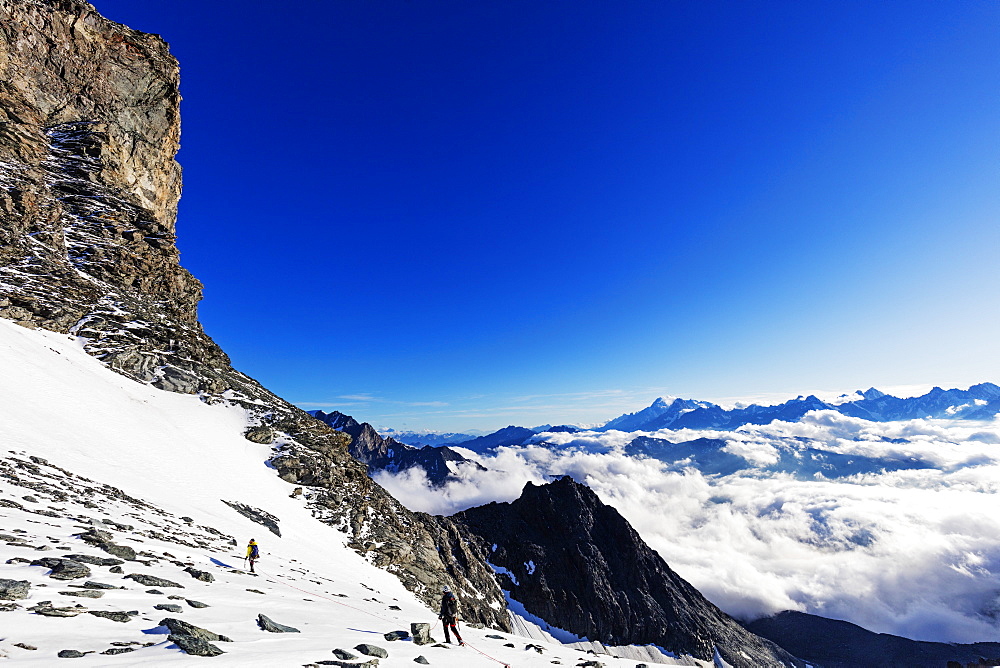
326	598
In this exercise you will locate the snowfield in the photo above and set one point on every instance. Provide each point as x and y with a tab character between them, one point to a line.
85	448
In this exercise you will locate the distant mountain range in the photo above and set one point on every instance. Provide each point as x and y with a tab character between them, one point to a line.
979	402
419	439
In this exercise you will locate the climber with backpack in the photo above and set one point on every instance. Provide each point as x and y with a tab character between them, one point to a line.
449	615
253	553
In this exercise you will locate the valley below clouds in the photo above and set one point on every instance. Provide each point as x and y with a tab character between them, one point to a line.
894	526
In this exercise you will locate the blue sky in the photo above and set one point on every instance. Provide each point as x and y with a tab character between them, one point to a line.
457	215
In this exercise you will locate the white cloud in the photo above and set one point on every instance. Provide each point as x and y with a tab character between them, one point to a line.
913	552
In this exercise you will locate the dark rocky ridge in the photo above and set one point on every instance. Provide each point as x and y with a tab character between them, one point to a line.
833	643
89	126
578	564
383	453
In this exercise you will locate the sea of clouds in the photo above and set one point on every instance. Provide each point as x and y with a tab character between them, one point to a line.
910	552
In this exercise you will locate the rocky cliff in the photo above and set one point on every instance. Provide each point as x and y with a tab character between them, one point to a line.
578	564
89	127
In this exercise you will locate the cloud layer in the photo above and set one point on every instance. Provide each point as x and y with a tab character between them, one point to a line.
914	552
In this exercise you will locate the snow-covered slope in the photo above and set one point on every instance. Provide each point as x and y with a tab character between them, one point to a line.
87	448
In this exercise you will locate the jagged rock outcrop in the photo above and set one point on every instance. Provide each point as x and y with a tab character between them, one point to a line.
382	453
578	564
89	126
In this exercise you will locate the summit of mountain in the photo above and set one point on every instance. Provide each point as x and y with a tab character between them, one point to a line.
575	562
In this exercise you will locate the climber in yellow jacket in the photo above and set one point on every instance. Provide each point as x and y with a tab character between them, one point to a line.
253	553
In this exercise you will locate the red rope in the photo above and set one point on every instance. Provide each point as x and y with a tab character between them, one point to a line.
505	665
330	599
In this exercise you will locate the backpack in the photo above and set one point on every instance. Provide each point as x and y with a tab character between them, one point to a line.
254	553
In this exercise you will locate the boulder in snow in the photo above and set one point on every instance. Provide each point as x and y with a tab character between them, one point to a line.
63	569
113	615
11	590
204	576
372	650
181	628
421	633
267	624
194	646
151	580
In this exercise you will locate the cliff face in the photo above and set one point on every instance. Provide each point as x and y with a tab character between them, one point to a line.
89	127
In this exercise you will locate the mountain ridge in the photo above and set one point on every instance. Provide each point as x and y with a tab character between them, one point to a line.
979	402
577	563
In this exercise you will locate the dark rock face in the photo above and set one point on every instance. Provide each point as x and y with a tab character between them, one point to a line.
89	126
70	654
199	575
112	615
576	563
421	633
267	624
344	654
152	580
63	569
12	590
95	561
181	628
104	540
372	650
837	644
261	517
194	646
382	453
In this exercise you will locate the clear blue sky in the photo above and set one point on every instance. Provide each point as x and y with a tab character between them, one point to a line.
454	215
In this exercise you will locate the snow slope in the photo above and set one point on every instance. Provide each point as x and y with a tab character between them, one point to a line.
175	457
